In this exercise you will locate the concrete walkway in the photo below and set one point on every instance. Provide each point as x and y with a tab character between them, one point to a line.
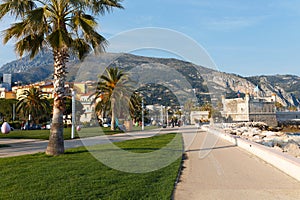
17	147
228	172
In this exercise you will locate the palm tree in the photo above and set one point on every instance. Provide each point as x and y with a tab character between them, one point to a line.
114	93
64	26
33	102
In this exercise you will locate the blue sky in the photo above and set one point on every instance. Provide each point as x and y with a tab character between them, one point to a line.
243	37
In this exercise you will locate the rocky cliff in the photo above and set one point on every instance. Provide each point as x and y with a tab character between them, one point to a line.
204	81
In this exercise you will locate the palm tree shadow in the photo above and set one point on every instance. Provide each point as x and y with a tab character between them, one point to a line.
212	148
76	152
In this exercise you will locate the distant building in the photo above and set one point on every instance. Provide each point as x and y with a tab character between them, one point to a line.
47	89
156	113
247	109
80	88
88	107
10	95
7	81
4	94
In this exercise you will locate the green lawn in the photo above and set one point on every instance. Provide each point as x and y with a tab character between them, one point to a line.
33	134
44	134
78	175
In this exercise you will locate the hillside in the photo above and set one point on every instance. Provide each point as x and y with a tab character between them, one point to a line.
201	80
286	86
27	71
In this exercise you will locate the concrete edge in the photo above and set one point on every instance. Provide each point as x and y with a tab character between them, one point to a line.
286	163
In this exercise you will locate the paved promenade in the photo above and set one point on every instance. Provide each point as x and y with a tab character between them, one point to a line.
228	172
29	146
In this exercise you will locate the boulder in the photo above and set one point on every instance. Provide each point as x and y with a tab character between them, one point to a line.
256	131
268	133
278	148
292	148
248	134
268	142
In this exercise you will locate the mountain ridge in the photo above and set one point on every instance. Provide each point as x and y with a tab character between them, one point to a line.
287	87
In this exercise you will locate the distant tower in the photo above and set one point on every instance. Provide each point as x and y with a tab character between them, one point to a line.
7	81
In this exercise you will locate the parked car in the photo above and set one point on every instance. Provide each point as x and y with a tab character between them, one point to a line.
31	127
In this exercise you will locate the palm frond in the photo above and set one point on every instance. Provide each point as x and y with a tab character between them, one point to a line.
16	30
62	23
59	39
31	43
17	8
81	47
103	6
36	19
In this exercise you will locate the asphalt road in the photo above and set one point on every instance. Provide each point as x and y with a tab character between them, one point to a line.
18	147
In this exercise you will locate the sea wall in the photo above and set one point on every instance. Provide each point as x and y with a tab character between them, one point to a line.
287	118
268	118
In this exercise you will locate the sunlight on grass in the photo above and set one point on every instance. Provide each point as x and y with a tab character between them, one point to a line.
78	175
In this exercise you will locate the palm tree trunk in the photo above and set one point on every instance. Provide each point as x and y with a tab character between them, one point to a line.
113	117
56	139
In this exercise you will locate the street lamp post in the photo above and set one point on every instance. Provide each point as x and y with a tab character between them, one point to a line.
14	112
73	115
167	113
143	121
162	115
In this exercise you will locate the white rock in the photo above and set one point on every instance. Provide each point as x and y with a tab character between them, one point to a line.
277	148
256	130
256	137
293	149
268	133
268	142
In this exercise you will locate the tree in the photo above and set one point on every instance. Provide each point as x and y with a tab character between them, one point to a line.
6	109
113	93
64	26
33	102
206	107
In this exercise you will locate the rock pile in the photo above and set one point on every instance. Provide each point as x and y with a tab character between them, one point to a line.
259	133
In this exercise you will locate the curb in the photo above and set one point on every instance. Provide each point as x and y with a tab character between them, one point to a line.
286	163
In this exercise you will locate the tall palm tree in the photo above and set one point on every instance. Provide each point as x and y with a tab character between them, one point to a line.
63	26
113	93
33	102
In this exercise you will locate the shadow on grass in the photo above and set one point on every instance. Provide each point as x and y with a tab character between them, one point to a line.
141	149
79	151
4	145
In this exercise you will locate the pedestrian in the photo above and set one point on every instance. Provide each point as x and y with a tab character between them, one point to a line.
172	122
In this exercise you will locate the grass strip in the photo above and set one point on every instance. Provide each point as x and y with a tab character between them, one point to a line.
78	175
